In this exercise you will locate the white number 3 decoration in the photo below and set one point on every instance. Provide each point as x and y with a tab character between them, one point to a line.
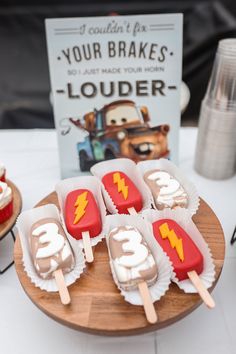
167	184
48	233
133	245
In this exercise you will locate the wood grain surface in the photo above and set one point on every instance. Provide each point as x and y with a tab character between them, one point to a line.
96	304
17	205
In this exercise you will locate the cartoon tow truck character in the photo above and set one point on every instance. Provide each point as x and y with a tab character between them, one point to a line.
120	129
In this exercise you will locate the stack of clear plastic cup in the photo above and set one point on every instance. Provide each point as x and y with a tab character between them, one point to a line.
215	156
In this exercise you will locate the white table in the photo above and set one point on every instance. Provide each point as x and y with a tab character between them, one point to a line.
32	163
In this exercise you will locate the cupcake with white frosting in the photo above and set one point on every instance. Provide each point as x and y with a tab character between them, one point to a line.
6	202
2	172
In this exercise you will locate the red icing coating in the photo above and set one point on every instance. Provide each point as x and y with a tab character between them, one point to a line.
90	221
134	197
6	212
3	177
193	259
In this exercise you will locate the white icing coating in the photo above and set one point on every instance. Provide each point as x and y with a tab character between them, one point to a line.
133	244
121	272
5	194
48	233
53	266
66	252
37	266
155	175
125	275
170	188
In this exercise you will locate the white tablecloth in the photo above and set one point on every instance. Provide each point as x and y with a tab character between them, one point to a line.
32	163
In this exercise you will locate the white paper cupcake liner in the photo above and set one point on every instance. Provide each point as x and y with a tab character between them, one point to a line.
85	182
24	223
173	170
128	167
163	264
183	218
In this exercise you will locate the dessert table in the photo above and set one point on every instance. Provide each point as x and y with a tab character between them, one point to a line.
31	158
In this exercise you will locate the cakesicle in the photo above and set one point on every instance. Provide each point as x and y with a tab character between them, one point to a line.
123	192
82	218
133	264
167	192
51	253
187	260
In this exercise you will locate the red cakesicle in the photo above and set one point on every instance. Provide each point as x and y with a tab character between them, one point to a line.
123	192
180	248
185	256
83	219
82	214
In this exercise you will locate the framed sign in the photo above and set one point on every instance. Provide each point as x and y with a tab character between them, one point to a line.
115	85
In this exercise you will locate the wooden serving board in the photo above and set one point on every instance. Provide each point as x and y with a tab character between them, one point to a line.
17	204
97	306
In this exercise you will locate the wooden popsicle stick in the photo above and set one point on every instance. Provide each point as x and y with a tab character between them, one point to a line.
147	302
63	291
132	211
203	292
87	247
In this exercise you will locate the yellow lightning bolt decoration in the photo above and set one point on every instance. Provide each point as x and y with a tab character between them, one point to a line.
80	204
175	242
120	184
